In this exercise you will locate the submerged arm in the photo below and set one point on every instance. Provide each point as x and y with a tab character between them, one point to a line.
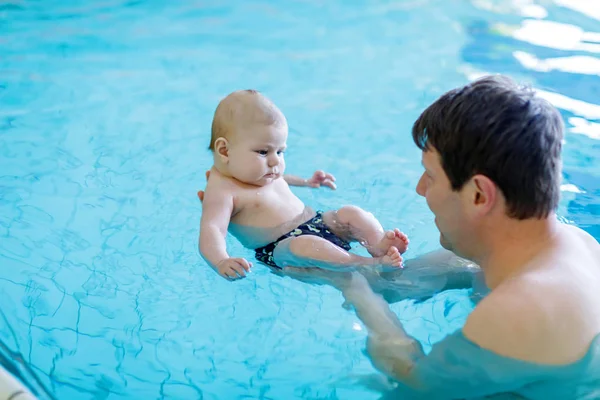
391	349
456	367
428	274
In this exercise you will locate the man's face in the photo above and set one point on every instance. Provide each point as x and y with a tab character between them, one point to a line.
446	204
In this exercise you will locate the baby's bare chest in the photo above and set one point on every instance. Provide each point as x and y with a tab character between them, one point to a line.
266	206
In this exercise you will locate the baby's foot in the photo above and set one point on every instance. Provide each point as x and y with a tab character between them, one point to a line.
392	259
391	238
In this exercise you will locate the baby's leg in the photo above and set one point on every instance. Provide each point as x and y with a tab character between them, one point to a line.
356	225
313	251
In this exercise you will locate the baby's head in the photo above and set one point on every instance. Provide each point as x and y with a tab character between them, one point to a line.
248	138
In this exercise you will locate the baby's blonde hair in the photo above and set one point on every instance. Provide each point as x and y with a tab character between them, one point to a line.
243	108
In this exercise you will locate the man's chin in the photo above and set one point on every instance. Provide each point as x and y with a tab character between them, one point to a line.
448	246
444	243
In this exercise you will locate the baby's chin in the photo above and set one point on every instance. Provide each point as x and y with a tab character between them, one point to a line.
260	182
265	180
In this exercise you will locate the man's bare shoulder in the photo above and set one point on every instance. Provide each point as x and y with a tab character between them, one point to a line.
585	242
503	322
538	317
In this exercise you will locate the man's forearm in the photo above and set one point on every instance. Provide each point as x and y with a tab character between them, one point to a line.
443	267
425	276
391	349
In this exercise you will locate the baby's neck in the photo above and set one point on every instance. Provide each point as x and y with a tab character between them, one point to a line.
221	168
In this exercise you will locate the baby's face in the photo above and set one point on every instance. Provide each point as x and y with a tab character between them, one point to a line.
256	153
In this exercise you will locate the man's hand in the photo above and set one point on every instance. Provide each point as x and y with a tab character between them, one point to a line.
321	178
233	268
201	192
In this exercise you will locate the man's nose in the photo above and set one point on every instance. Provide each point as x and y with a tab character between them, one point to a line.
421	186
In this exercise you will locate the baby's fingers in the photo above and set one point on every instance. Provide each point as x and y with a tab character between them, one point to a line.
229	274
244	263
330	177
319	175
329	184
239	270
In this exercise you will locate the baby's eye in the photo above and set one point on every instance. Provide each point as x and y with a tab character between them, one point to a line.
280	152
262	152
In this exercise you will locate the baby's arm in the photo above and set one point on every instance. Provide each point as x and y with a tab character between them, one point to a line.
294	180
318	179
217	208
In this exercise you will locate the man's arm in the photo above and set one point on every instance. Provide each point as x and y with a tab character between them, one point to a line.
457	272
428	274
390	348
463	365
401	357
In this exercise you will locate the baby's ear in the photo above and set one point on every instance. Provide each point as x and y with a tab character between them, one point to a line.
222	148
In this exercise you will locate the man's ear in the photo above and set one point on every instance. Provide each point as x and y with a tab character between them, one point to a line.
483	194
222	149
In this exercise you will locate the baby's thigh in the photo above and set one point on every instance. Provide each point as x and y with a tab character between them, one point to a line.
290	252
282	255
299	251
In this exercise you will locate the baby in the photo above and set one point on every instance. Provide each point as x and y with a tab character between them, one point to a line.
249	196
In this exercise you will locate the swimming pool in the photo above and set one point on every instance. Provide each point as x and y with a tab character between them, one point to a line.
105	118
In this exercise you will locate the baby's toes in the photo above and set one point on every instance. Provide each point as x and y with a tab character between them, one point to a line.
394	254
390	235
401	236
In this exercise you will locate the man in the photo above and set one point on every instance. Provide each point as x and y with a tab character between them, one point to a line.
492	159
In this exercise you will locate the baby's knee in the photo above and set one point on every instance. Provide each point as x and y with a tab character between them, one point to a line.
350	213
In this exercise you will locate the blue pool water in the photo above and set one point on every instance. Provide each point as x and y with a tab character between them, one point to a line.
104	120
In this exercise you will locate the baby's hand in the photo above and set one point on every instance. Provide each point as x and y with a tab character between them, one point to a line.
321	178
233	268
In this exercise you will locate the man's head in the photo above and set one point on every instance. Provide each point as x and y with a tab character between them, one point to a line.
249	135
491	147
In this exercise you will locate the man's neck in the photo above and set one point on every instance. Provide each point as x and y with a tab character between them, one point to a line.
513	244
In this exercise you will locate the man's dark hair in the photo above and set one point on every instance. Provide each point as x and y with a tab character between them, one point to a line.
499	129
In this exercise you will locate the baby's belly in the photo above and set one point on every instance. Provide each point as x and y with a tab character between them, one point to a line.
257	233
